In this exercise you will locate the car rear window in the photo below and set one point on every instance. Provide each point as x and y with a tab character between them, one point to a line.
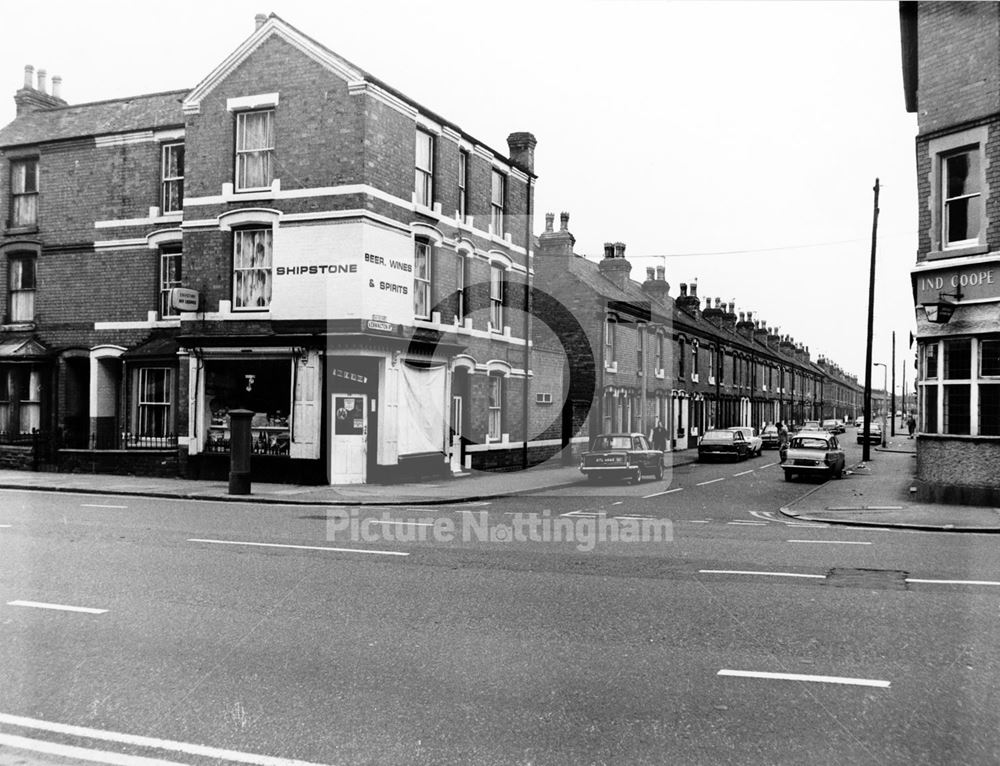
718	436
613	442
810	442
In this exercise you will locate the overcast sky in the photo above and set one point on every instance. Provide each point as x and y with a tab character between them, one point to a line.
740	140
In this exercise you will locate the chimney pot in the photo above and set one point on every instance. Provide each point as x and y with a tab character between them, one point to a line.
41	80
694	289
684	289
259	20
57	86
749	316
718	303
650	273
609	250
743	317
661	273
29	76
619	249
549	218
564	222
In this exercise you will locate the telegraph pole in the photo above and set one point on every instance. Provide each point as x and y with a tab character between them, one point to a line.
866	454
892	409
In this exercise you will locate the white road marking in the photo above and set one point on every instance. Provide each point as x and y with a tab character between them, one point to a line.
801	677
58	607
748	523
5	526
618	503
151	742
665	492
954	582
831	542
95	505
630	516
801	524
696	521
80	753
768	465
711	481
766	515
763	574
403	523
743	473
298	547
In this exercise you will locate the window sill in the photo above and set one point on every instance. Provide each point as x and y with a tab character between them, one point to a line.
957	252
15	230
17	326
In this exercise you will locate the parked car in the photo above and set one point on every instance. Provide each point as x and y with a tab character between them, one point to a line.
811	425
723	443
621	456
814	454
859	421
750	434
834	426
874	433
769	438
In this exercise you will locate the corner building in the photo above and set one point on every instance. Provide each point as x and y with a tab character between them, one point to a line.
292	237
951	77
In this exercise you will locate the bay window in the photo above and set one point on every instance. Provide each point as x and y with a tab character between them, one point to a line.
961	396
153	404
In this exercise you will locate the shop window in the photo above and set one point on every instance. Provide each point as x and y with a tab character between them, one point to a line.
170	277
498	289
24	192
957	360
264	388
21	284
968	390
989	358
172	178
498	202
956	409
930	361
422	280
495	408
252	269
153	407
423	184
254	150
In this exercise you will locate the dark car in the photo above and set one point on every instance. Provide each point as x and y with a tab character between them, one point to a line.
814	453
621	456
874	433
723	443
769	438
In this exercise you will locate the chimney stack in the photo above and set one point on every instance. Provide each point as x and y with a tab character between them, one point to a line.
32	96
522	150
614	266
688	301
745	326
41	82
713	313
655	285
556	243
729	316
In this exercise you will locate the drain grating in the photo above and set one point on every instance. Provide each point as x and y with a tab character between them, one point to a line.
874	579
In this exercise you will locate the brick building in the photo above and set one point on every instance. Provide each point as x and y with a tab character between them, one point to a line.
643	356
951	77
292	236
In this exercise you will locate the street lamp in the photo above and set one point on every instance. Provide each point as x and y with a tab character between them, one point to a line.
885	392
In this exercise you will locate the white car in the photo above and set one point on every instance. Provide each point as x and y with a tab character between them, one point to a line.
752	437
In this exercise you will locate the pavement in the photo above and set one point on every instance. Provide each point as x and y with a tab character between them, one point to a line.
878	494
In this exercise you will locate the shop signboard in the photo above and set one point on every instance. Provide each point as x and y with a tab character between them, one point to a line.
974	281
343	271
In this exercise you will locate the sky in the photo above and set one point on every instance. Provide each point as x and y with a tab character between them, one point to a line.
735	143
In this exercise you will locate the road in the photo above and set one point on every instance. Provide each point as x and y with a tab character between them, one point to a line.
267	634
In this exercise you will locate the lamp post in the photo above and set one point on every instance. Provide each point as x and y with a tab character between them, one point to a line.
885	392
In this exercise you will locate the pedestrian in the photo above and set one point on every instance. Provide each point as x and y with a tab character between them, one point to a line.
659	437
911	424
782	441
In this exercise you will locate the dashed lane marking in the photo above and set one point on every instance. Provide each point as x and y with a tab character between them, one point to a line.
832	542
761	574
696	521
148	742
801	677
57	607
768	465
79	753
710	481
748	523
95	505
298	547
954	582
665	492
743	473
402	523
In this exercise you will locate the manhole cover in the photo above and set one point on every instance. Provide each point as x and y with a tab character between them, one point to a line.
875	579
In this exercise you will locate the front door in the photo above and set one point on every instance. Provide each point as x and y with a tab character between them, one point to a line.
349	439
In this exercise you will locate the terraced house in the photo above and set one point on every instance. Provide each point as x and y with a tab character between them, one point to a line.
644	356
290	236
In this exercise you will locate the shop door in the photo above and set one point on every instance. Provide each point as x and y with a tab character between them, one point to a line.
349	440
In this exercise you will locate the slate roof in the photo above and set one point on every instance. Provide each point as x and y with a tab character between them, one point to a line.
123	115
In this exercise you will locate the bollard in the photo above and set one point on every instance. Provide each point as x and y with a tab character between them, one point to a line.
239	452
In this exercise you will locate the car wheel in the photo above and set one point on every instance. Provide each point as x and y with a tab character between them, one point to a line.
658	475
788	475
592	478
